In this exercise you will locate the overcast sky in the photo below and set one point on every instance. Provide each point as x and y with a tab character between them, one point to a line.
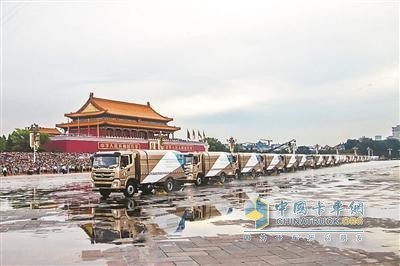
316	71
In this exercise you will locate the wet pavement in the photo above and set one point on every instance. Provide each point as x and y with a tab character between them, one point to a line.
59	220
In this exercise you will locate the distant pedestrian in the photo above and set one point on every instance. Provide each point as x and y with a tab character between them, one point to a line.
4	171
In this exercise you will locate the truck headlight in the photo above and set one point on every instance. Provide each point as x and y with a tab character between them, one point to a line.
115	184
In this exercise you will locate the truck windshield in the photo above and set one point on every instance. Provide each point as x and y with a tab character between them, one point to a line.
105	161
188	159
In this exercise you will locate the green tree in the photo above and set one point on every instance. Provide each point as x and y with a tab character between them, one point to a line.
350	144
379	147
18	140
215	145
303	150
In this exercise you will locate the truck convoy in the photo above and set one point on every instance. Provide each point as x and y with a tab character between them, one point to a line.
129	171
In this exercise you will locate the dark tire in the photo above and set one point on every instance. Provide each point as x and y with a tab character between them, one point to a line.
169	185
178	186
253	174
130	189
146	190
199	180
237	175
105	193
222	178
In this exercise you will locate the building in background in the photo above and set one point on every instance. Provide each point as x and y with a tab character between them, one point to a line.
51	131
103	124
395	132
108	118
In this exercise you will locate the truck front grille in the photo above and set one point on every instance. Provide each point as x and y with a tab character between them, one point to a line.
103	175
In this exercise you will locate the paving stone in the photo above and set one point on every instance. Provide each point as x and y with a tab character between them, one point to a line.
204	260
218	253
91	254
232	249
302	260
185	263
275	250
245	245
274	260
116	263
256	263
222	244
162	264
180	258
229	261
170	248
186	244
331	263
186	253
287	255
201	249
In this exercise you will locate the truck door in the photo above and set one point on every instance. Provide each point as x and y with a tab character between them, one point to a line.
124	166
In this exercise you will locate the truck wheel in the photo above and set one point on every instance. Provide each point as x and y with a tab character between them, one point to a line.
222	178
146	189
253	174
199	180
169	185
130	189
237	175
105	193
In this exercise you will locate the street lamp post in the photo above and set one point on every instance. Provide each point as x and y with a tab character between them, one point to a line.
316	148
34	139
369	151
232	143
160	139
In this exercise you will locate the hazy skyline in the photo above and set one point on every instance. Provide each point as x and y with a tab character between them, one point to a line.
316	71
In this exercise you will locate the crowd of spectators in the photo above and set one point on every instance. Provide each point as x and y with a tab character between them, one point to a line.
18	163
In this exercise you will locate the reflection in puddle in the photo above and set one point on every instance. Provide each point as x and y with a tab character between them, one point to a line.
119	222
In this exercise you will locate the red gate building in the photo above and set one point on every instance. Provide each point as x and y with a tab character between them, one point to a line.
103	124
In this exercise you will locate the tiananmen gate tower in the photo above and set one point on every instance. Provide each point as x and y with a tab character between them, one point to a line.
104	124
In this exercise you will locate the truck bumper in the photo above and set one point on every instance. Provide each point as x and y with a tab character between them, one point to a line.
108	185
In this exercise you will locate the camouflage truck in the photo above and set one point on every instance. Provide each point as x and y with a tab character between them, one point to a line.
304	161
318	160
129	171
329	160
272	163
205	166
290	162
249	164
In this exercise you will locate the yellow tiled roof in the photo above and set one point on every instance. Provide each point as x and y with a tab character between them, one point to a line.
95	106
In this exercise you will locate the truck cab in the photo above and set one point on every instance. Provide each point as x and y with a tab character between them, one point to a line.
112	170
193	168
129	171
